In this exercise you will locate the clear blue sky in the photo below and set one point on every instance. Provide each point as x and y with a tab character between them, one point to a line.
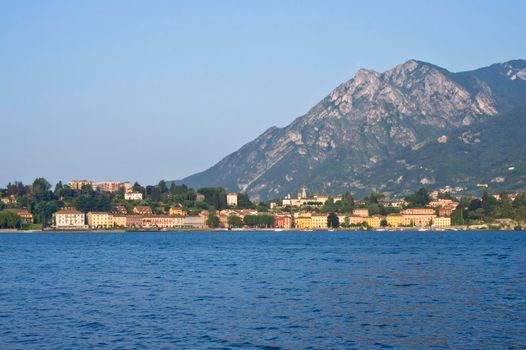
150	90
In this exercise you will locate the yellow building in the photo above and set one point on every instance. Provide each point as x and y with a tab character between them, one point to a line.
355	220
119	220
287	221
303	222
395	220
99	219
442	221
319	221
418	220
177	211
373	221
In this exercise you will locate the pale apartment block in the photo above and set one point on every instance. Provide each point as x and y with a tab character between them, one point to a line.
69	219
100	220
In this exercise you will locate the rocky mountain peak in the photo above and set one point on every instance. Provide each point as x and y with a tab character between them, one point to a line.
365	122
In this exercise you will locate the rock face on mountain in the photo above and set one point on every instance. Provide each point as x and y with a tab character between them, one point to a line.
360	136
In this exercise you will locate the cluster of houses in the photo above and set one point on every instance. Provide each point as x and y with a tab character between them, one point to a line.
108	186
411	217
436	214
142	218
414	217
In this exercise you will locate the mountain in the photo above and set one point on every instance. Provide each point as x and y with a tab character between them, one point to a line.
381	131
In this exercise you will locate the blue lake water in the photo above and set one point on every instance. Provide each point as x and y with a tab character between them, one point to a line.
263	290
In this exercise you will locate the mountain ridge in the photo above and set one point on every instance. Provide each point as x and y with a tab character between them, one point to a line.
363	122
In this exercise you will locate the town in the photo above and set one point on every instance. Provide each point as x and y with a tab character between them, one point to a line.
114	205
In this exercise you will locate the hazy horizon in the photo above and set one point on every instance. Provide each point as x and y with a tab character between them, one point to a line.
148	91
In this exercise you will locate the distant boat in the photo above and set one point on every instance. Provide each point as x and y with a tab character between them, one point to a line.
279	230
422	229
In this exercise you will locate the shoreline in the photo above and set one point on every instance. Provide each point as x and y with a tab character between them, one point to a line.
277	230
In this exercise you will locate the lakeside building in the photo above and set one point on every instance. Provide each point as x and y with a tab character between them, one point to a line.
119	220
373	221
231	199
133	221
158	221
133	196
356	220
99	219
161	221
78	184
441	222
394	220
194	222
419	217
319	221
303	221
68	219
142	210
27	217
283	221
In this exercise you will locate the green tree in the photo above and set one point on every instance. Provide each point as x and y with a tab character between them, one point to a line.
348	198
243	201
41	189
260	220
214	196
375	197
43	211
10	220
162	187
235	221
333	220
138	188
420	198
212	221
329	205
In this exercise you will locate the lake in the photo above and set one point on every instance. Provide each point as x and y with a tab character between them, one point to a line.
263	290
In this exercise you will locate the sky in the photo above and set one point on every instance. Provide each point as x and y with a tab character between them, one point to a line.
151	90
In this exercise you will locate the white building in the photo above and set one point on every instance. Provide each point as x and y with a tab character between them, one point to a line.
133	196
231	199
69	218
